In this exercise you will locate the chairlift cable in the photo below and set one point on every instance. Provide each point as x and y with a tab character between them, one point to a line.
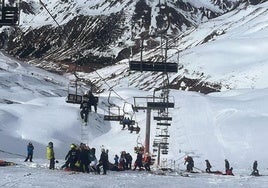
15	154
41	2
110	87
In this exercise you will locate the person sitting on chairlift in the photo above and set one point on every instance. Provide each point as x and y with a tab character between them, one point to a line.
126	121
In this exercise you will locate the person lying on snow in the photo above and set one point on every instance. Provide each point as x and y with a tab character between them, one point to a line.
230	172
6	163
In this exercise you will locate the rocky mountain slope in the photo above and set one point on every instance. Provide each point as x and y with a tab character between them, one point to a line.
104	32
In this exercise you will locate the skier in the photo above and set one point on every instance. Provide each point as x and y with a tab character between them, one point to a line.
93	160
190	163
122	161
84	158
104	161
116	159
138	162
255	171
227	166
147	162
30	149
208	166
92	100
72	157
51	156
128	161
84	110
126	121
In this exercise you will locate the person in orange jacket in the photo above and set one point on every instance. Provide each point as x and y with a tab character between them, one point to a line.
147	162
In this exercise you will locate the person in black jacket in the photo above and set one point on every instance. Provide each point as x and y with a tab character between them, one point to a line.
227	166
255	171
138	161
190	163
72	157
84	110
128	161
83	158
104	161
208	166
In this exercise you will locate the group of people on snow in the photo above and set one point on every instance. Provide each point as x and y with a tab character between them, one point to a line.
124	162
82	158
228	170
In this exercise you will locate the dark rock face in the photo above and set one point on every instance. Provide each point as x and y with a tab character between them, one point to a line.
89	41
62	44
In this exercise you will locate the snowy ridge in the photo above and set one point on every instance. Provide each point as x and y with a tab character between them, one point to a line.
229	124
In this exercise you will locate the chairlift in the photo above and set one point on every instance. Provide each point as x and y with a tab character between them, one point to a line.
139	148
153	66
163	124
10	13
164	151
162	135
135	128
160	118
74	98
112	116
129	115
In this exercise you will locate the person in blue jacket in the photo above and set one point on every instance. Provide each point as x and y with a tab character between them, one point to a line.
30	149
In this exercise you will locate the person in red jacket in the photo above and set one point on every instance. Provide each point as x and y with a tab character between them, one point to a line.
147	162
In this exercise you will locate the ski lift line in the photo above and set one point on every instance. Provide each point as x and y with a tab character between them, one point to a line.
41	2
111	88
10	153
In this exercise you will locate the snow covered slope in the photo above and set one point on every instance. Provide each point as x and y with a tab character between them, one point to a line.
229	124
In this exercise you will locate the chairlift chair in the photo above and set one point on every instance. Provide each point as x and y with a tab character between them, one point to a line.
163	135
127	114
153	66
163	124
74	98
164	151
10	13
112	116
164	118
135	128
